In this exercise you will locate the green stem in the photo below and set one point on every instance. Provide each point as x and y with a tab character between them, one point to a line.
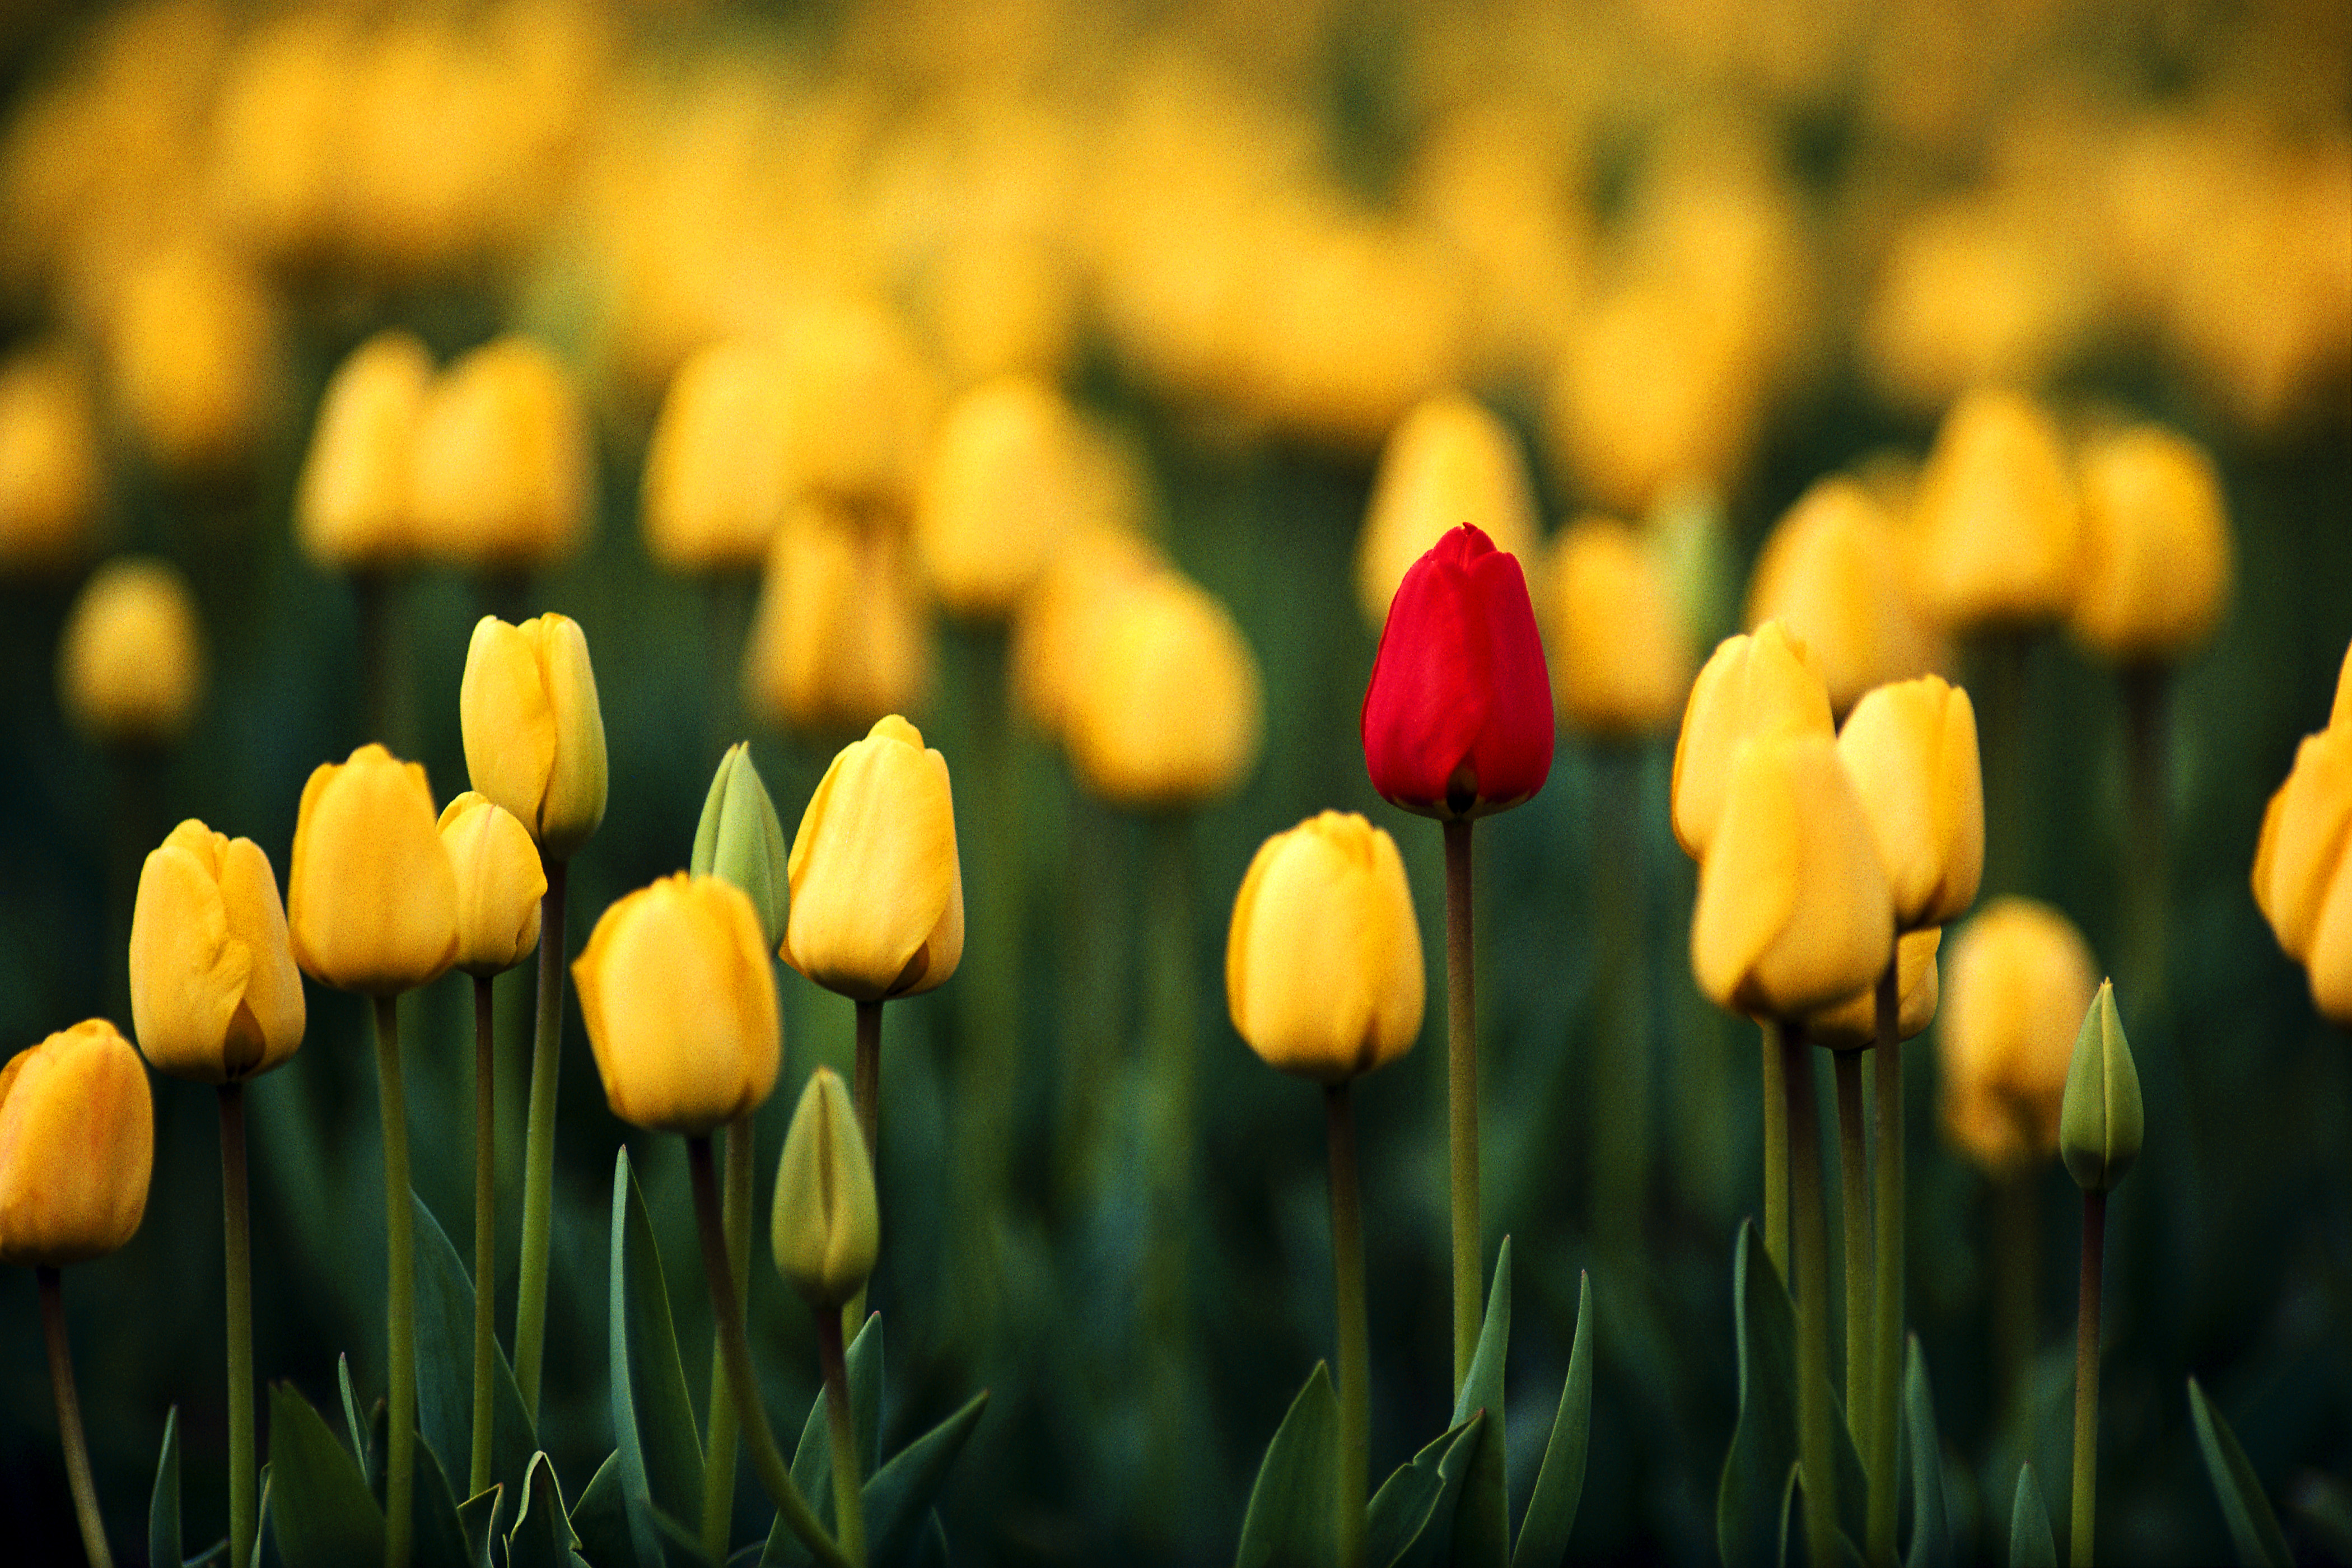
1809	1230
866	1091
237	1236
400	1307
1776	1153
1355	1356
538	1145
70	1434
1854	1202
2086	1380
719	1453
486	1237
1170	1138
1620	1090
726	1313
1461	1097
1888	1197
848	1507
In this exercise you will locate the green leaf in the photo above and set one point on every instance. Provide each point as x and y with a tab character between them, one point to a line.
321	1511
601	1517
1482	1519
477	1518
897	1498
1931	1532
1419	1494
444	1365
265	1537
353	1426
1559	1479
2031	1544
1293	1516
2254	1528
437	1540
163	1503
541	1536
653	1417
931	1546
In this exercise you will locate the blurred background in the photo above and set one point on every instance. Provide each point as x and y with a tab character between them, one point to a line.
1029	302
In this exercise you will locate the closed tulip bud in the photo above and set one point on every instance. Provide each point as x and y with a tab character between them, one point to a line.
1911	750
1998	530
1172	710
2156	547
1323	971
214	995
371	897
1620	664
1832	573
1457	721
52	479
826	1225
1755	684
500	882
679	998
131	661
840	634
353	507
77	1147
1449	461
715	468
1793	912
2100	1121
1010	476
740	840
533	730
502	465
2017	982
878	891
1853	1024
2303	873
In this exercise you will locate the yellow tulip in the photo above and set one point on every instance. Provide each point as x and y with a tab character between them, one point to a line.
2156	546
679	997
1997	527
876	890
1323	969
77	1147
1450	461
1171	711
1756	684
1011	475
1061	620
716	466
1833	571
2019	980
131	661
1621	662
2302	866
825	1224
1853	1024
500	881
2341	710
502	475
1793	912
840	635
214	995
353	507
52	478
1911	750
863	405
371	899
533	730
192	353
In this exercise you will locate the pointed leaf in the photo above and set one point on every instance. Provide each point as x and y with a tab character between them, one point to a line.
477	1518
897	1498
1559	1479
163	1503
444	1365
931	1546
1414	1507
2031	1544
264	1538
653	1417
601	1518
436	1539
1931	1532
541	1536
1293	1516
322	1514
1750	1499
2254	1528
353	1426
1482	1521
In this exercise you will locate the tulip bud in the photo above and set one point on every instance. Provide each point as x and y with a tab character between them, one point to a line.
826	1225
502	465
1832	572
1997	528
193	355
1756	684
1457	721
131	661
1059	627
1171	711
1323	970
1010	476
77	1147
1449	460
840	636
1621	665
533	730
52	479
741	839
862	405
500	883
2156	547
214	995
2100	1121
715	486
353	506
679	998
1853	1024
876	890
371	897
2019	975
1911	750
2303	874
1793	912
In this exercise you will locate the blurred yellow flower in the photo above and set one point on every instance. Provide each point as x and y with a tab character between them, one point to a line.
1060	621
193	357
1170	711
500	882
371	897
1621	663
503	472
1449	462
354	506
825	1224
215	995
1911	750
840	634
52	478
2156	546
1833	571
716	465
1754	684
77	1147
1997	528
131	659
2016	986
2302	865
1853	1024
533	729
1011	475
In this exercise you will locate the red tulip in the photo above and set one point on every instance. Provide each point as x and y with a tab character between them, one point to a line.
1459	719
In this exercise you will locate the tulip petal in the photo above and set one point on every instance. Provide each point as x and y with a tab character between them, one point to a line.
873	871
508	719
257	920
187	971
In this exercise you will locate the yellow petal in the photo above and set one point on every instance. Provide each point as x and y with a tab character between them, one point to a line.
371	901
873	867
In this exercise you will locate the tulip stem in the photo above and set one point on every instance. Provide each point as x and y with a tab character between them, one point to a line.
719	1453
2086	1380
1808	1228
400	1243
848	1508
727	1312
1348	1277
62	1378
1620	1087
1461	1097
539	1144
1854	1202
237	1237
1888	1382
866	1090
1776	1153
486	1238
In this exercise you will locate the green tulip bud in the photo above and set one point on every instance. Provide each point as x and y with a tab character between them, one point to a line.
742	840
2100	1122
826	1227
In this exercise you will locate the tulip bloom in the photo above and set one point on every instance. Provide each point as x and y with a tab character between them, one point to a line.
1449	460
826	1225
715	485
52	478
1323	969
371	897
500	884
1832	572
2018	983
1911	751
215	995
2303	871
1457	721
680	1003
353	505
1757	684
77	1147
1999	529
1013	473
131	661
2156	547
503	470
533	729
877	889
840	634
1620	664
1853	1024
1170	711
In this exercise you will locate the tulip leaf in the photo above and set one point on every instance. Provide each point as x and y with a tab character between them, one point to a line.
163	1503
1292	1521
1482	1519
1559	1479
1418	1494
897	1497
1931	1532
601	1520
444	1364
477	1518
541	1536
265	1537
437	1540
653	1417
2254	1528
322	1514
352	1423
2031	1544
